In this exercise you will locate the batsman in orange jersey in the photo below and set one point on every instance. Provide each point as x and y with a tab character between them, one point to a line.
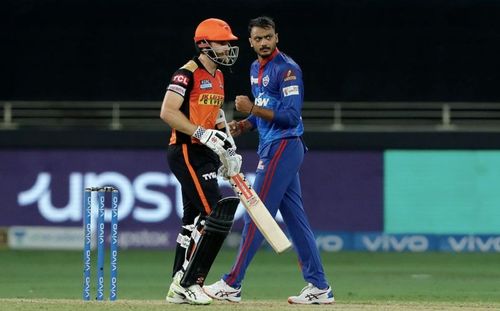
192	108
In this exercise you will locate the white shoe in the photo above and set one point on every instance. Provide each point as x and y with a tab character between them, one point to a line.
193	294
313	295
221	291
172	296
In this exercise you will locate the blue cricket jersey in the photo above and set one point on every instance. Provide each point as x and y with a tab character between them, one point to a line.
277	84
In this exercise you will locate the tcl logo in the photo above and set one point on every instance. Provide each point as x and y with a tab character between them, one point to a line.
181	79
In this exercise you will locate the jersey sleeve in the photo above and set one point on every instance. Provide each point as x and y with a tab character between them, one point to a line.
291	96
181	81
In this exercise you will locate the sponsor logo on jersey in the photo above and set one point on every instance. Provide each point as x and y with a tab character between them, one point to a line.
205	85
265	80
254	80
261	101
291	90
290	76
180	78
211	99
177	89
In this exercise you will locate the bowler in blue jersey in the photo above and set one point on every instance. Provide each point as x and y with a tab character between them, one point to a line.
278	90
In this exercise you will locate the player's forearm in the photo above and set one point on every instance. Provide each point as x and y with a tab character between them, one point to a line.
287	118
283	118
244	126
178	121
266	114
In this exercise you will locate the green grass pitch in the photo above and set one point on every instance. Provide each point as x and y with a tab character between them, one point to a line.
52	280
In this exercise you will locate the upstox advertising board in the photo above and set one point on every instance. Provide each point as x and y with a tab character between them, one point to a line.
44	188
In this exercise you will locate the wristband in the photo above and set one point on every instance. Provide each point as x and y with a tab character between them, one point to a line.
240	126
251	109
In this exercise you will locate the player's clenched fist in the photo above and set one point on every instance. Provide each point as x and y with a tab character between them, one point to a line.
244	104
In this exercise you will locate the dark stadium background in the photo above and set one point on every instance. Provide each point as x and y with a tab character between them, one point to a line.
392	50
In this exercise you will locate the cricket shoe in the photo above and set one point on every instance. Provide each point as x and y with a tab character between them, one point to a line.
172	296
221	291
193	294
313	295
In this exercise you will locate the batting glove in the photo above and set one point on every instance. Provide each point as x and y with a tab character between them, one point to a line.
231	164
213	139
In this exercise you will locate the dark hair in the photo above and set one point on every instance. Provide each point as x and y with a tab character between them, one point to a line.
262	22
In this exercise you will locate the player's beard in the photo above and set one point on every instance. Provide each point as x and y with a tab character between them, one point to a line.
223	56
265	52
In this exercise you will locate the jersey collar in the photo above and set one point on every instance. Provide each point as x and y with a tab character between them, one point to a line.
270	58
200	65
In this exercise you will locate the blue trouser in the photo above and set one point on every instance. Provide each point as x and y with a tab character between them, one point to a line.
278	185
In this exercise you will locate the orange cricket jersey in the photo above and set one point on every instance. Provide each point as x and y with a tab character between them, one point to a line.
203	97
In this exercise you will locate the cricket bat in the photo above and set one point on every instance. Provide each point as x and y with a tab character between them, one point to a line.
259	214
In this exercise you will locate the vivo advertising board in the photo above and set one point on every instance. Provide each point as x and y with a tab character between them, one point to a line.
342	191
413	243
